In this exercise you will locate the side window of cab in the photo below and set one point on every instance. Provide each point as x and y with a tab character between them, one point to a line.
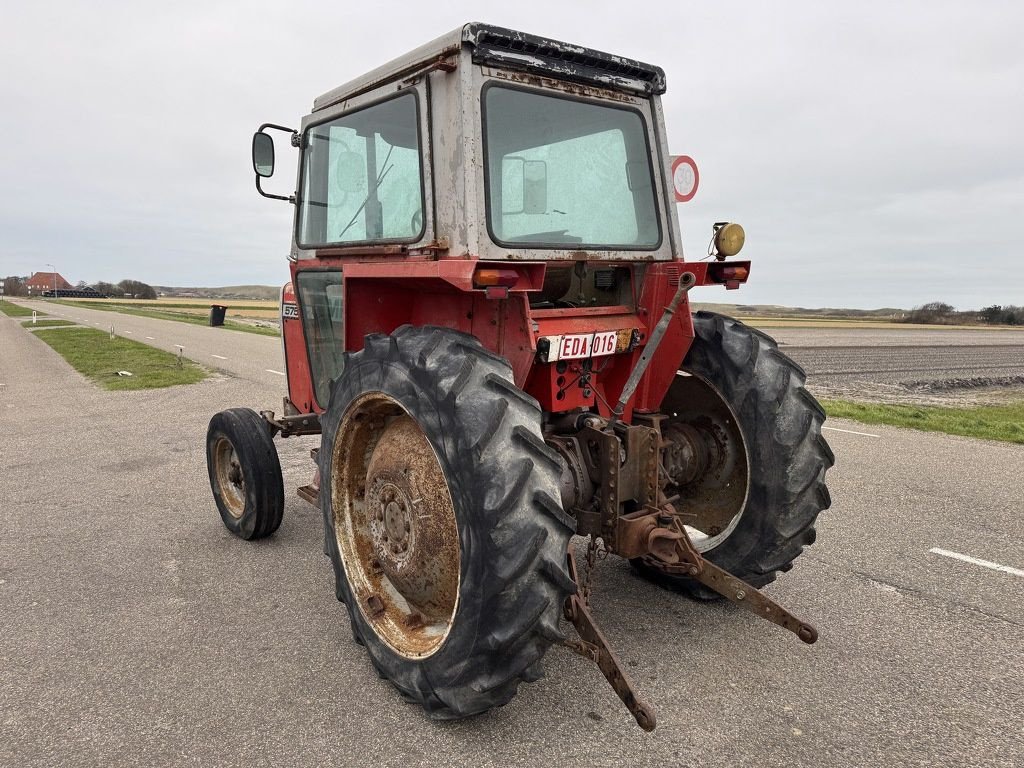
323	322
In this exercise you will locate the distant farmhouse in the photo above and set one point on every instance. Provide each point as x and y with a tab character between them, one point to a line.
44	284
41	282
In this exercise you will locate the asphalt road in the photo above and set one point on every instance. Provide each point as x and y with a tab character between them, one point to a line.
136	631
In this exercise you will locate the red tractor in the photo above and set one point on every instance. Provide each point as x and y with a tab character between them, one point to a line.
488	325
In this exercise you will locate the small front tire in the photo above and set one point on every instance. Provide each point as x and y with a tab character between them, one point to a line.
245	473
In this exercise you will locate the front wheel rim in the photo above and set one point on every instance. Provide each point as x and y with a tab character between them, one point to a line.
230	478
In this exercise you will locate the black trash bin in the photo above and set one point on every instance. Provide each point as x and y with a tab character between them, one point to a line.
217	312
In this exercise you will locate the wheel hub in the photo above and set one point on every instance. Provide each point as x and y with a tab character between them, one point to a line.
235	472
392	525
229	475
705	459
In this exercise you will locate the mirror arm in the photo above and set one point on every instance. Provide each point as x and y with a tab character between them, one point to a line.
295	141
276	127
289	198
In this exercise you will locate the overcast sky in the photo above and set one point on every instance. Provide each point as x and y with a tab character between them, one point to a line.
871	150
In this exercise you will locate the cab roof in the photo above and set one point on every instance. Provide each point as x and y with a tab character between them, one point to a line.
507	48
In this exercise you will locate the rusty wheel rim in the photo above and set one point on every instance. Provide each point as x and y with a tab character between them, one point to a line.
395	526
720	497
230	478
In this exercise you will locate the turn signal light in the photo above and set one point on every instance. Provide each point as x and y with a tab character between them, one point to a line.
734	273
485	278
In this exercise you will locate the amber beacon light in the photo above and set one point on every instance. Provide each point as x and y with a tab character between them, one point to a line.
729	239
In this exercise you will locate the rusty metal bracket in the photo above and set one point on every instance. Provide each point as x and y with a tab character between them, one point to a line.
755	601
443	63
436	246
291	426
593	645
626	459
642	533
691	564
605	463
311	492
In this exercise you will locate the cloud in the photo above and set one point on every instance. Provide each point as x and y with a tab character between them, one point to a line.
871	151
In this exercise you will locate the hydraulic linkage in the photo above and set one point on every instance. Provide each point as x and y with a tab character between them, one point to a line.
593	645
691	564
655	533
685	561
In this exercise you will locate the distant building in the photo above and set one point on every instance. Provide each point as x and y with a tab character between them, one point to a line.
75	293
45	281
42	283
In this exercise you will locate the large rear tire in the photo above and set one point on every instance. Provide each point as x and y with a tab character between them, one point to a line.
443	519
784	456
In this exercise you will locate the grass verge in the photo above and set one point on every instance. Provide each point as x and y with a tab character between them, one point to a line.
166	314
989	422
97	356
45	323
14	310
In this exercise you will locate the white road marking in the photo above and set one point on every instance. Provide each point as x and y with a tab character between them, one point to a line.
271	370
150	338
851	432
219	357
977	561
127	331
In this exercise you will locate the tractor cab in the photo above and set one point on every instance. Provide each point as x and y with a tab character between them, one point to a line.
491	144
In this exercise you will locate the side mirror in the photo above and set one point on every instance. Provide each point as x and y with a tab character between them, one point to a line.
263	157
263	154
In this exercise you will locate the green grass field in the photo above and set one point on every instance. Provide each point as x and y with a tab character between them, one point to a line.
14	310
95	355
45	322
989	422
